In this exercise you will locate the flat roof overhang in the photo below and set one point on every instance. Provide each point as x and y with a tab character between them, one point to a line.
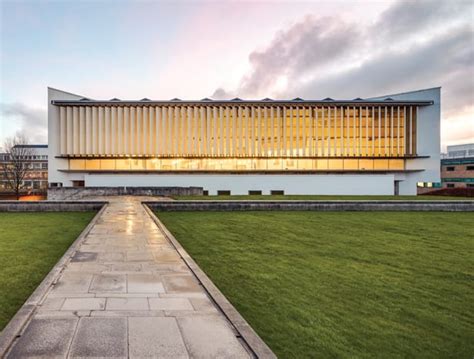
243	103
98	157
289	172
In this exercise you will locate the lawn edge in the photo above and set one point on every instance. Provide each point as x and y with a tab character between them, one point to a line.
15	326
256	344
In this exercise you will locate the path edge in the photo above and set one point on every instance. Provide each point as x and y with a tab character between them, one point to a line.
256	344
15	326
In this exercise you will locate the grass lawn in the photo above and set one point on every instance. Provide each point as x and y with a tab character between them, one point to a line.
30	245
342	284
324	198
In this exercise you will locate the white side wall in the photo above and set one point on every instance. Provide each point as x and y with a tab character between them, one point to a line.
373	184
54	164
428	140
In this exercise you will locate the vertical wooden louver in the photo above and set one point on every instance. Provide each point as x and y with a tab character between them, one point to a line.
238	131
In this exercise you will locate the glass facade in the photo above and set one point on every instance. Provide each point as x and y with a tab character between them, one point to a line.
235	164
237	137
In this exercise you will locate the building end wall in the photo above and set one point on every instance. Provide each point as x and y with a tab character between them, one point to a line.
54	164
428	139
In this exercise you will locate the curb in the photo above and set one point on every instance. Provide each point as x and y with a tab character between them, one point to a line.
258	347
16	325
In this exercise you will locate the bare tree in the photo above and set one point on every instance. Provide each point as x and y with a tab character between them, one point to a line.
16	165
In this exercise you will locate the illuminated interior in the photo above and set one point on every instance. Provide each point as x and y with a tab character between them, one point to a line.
237	137
230	164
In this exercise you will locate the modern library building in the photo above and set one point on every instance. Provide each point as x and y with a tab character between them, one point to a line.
374	146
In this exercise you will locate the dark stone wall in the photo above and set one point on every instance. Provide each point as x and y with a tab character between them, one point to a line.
77	193
450	206
50	206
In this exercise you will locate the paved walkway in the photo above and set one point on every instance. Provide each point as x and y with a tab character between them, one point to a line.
127	293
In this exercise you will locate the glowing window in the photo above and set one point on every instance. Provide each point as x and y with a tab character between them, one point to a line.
322	164
396	164
92	164
122	164
138	165
351	164
380	164
77	164
289	164
274	164
336	164
305	164
107	164
261	164
366	165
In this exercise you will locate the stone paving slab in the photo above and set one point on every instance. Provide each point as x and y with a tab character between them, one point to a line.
126	292
127	304
83	304
152	337
45	338
208	337
100	337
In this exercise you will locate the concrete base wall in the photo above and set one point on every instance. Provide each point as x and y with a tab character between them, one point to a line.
77	193
240	184
50	206
447	206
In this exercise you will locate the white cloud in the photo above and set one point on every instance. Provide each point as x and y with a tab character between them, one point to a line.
411	45
32	122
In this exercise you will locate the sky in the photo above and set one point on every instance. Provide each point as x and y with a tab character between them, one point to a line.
223	49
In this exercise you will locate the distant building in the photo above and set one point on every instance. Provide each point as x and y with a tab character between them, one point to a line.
457	167
374	146
36	178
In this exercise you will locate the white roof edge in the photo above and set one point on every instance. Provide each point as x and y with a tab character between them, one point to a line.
67	92
403	93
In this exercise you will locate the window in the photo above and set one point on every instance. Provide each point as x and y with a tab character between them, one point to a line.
380	164
461	153
255	193
470	185
277	192
450	185
78	183
77	164
450	168
92	164
469	168
205	193
44	166
107	164
223	193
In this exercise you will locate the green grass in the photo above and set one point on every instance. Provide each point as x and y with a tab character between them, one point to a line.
315	197
342	284
30	245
